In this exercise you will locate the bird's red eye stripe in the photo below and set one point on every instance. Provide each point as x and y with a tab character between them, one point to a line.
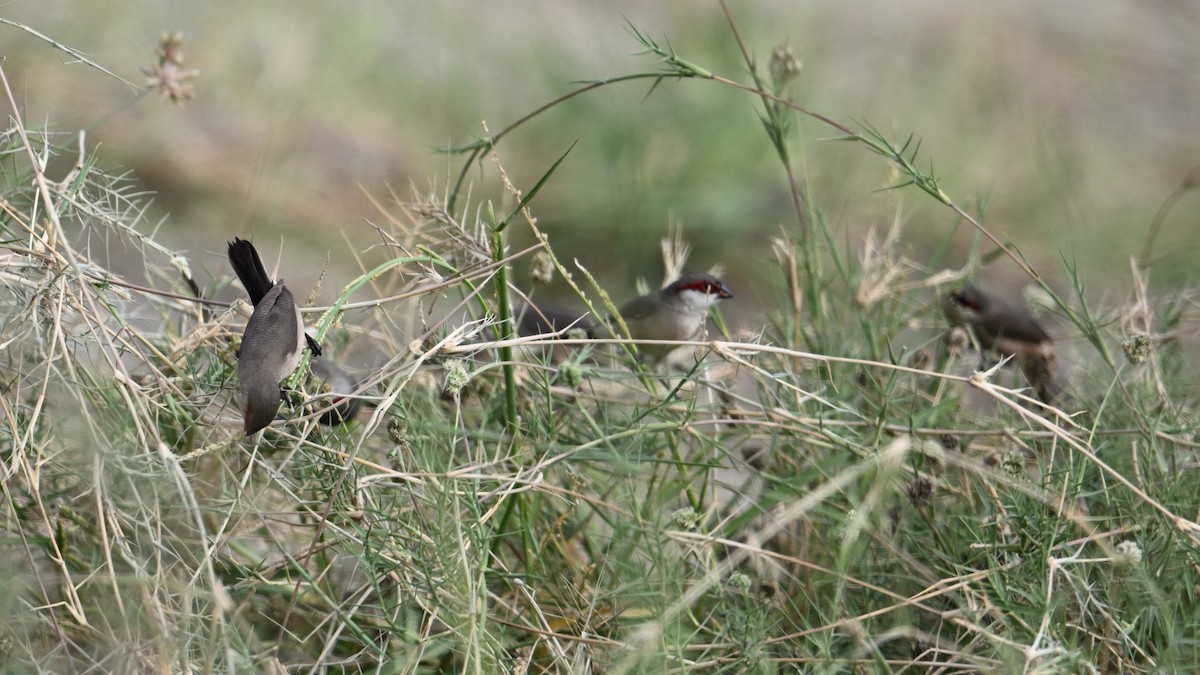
963	300
707	287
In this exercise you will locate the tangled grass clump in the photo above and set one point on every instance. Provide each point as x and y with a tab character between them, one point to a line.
833	489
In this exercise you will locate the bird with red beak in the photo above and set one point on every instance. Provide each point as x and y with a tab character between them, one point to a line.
342	405
675	312
1009	330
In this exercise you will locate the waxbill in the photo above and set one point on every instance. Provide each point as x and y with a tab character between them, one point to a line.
340	383
1009	330
675	312
534	320
273	339
547	318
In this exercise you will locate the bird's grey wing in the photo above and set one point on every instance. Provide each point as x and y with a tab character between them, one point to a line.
1018	325
536	320
638	308
271	343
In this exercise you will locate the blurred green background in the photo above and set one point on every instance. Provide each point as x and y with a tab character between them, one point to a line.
1072	120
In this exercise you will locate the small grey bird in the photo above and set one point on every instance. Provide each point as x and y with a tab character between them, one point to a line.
675	312
548	318
339	382
272	341
1009	330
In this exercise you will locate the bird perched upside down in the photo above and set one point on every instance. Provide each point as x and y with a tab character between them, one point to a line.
273	339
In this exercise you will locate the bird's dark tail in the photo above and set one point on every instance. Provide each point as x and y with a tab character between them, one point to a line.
249	268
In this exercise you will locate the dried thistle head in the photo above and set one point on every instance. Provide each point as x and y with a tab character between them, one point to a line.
1013	463
1136	348
398	432
920	492
168	75
957	341
170	49
920	359
784	66
541	268
1129	554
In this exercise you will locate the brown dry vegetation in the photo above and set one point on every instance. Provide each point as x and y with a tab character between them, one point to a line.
827	487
